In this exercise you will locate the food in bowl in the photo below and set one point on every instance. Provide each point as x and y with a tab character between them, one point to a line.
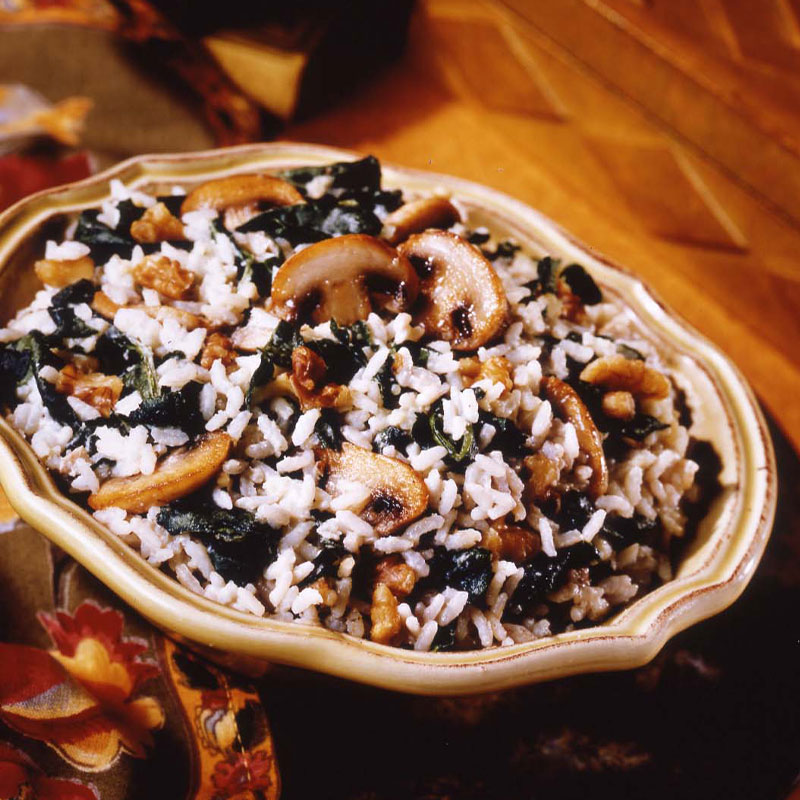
315	399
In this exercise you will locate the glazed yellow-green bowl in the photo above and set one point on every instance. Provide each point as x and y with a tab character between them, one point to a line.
713	571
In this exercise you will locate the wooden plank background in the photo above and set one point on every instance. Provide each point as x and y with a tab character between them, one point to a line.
501	95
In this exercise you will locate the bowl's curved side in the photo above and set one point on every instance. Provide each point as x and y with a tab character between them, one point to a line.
711	578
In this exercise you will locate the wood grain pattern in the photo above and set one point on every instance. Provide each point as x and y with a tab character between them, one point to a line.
601	165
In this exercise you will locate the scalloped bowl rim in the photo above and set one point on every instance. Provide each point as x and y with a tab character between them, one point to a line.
719	571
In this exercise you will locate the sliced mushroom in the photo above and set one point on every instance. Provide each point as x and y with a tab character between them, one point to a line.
157	224
59	273
419	215
339	278
241	190
618	373
177	475
397	494
570	406
461	296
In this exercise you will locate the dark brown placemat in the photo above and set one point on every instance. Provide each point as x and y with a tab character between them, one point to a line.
715	715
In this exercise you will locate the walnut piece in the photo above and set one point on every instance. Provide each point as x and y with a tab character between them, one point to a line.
496	369
618	373
157	224
517	544
386	621
543	477
217	347
165	275
619	405
60	273
393	572
94	388
307	380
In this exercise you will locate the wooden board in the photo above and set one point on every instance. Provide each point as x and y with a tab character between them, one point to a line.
485	95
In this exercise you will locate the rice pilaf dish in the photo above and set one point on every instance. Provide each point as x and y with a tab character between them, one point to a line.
314	399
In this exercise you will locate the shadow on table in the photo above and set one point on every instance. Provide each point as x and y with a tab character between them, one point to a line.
714	715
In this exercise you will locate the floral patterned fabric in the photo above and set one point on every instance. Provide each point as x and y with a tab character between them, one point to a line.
95	703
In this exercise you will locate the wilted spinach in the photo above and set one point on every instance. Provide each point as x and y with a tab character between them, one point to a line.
285	338
542	575
68	324
328	429
238	544
82	291
623	531
326	562
261	376
133	362
508	438
459	451
396	437
581	284
178	409
465	570
362	174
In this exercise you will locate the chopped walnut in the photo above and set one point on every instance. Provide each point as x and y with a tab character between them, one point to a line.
386	621
104	305
98	390
543	477
308	374
393	572
618	373
327	592
619	405
497	369
217	347
517	544
62	273
157	224
165	275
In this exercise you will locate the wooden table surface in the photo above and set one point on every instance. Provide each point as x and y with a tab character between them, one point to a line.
484	95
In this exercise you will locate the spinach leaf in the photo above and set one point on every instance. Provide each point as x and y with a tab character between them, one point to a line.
15	365
314	221
36	346
86	434
132	361
542	575
458	452
622	531
261	376
465	570
574	512
326	562
179	409
386	383
239	546
581	284
81	291
285	338
503	250
328	429
419	353
341	361
102	241
362	174
479	236
355	336
68	324
546	282
508	438
445	638
396	437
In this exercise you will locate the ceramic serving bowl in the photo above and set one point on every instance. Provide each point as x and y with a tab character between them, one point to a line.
712	573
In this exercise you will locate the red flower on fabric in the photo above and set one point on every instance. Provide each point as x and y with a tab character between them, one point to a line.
240	772
79	697
20	777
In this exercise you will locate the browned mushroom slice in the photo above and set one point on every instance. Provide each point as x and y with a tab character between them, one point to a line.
176	475
570	406
419	215
398	494
461	297
618	373
241	190
340	278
